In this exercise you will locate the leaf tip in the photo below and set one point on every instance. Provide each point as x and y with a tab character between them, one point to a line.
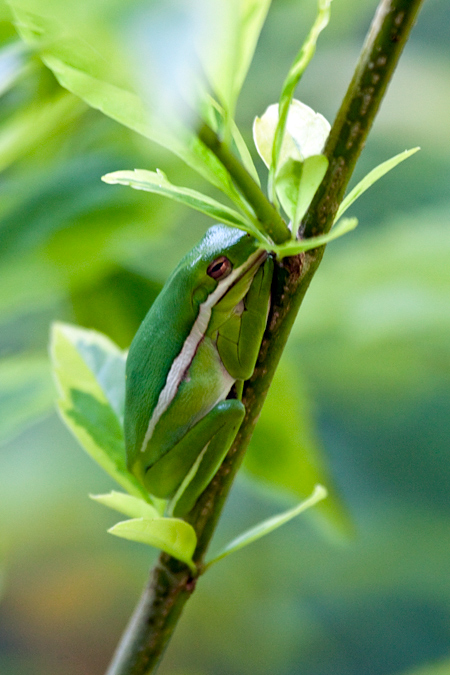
109	178
320	492
96	498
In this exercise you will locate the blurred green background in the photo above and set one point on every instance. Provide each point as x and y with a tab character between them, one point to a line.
370	356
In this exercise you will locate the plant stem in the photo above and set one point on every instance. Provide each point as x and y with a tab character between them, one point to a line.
152	623
266	213
155	619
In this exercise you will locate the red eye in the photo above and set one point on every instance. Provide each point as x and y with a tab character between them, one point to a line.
219	268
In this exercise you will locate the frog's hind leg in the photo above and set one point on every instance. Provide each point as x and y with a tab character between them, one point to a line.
223	423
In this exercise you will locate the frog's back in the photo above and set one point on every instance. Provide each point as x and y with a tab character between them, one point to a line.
157	343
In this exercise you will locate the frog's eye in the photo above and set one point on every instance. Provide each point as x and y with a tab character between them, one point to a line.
219	268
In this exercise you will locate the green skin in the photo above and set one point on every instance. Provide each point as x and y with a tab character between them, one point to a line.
201	336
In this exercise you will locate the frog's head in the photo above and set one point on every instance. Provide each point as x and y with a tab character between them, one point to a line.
223	263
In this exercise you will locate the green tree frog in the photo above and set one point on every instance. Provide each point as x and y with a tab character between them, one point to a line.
201	336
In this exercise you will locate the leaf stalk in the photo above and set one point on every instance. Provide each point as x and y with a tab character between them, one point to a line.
271	221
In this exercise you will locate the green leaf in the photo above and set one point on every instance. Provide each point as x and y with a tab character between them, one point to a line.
128	109
372	178
157	182
314	169
228	50
172	535
297	246
90	374
296	185
269	525
252	14
289	456
296	71
26	392
129	505
86	58
287	186
122	105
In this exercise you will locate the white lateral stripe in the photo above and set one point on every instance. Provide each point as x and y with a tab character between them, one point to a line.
184	358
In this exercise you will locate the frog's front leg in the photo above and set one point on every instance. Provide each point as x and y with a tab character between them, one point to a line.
239	338
197	457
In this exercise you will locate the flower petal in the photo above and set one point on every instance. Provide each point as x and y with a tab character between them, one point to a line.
305	136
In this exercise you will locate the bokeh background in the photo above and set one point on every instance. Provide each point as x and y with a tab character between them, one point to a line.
365	382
